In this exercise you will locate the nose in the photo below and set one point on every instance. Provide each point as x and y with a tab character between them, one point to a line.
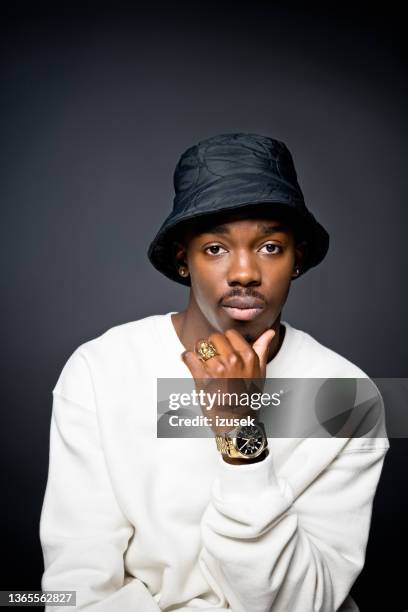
243	269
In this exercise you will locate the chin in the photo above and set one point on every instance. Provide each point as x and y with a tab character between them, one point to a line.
252	329
249	329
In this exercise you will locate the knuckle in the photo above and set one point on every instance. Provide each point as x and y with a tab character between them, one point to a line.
249	356
233	359
219	368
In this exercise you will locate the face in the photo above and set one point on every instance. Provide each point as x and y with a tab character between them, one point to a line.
240	270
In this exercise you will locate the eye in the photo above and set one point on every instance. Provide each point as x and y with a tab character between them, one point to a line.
277	248
272	249
213	246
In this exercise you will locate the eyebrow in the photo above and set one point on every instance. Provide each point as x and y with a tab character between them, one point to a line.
263	228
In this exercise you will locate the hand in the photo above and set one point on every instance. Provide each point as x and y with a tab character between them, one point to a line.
236	359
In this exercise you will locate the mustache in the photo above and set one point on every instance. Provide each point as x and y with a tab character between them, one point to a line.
249	292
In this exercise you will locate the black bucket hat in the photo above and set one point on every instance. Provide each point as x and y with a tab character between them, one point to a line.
236	171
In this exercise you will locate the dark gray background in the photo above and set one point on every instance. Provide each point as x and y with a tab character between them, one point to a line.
98	102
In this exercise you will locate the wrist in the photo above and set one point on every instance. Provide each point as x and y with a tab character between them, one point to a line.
243	444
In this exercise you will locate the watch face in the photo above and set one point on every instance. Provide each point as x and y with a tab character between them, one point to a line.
250	441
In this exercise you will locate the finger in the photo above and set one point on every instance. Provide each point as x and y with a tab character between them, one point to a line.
238	341
194	364
261	345
220	342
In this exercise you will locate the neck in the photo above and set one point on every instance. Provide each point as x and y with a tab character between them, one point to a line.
191	325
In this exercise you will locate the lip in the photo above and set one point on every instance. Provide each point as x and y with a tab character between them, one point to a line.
243	302
242	314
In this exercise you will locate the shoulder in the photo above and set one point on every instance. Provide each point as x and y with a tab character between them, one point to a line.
122	336
317	360
321	360
112	350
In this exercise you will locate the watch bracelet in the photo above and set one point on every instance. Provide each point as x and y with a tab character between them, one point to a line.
222	445
226	446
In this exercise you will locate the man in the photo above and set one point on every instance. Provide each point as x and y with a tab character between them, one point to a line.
246	521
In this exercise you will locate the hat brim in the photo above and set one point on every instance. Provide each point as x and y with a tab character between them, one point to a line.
160	251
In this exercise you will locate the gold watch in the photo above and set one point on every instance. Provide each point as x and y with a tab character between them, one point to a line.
243	442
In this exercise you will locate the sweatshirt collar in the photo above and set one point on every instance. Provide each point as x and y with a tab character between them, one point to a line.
276	367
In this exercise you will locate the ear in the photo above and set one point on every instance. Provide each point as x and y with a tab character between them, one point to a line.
179	252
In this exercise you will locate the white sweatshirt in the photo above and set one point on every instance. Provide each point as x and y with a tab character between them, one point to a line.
133	522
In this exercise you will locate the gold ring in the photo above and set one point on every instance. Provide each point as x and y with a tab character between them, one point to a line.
206	350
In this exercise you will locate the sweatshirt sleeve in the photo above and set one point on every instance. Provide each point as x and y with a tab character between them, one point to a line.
83	532
270	550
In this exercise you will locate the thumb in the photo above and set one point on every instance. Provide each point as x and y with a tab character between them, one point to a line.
261	345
